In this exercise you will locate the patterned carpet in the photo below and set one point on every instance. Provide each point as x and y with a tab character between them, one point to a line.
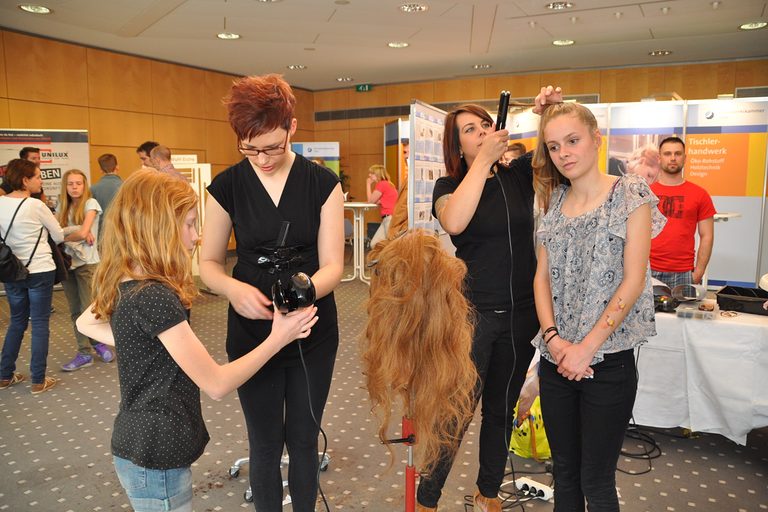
54	448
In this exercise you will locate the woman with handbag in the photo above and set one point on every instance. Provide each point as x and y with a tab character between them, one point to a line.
25	223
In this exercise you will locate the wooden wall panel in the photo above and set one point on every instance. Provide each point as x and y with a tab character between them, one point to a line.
31	114
752	73
337	99
630	84
117	128
366	141
572	82
471	89
221	143
519	86
5	116
372	122
179	132
216	86
49	71
305	109
3	82
700	81
402	94
357	169
376	97
119	82
178	90
304	136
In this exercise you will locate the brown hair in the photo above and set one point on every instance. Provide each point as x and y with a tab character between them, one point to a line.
17	170
67	204
418	341
546	177
108	162
455	165
259	104
142	239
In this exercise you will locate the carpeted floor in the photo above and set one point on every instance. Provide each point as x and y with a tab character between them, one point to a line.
54	447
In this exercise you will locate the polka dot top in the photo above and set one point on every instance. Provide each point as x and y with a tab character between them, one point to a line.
160	423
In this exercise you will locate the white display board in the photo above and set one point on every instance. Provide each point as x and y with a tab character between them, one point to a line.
60	151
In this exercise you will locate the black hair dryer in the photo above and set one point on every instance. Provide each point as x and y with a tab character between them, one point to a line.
297	292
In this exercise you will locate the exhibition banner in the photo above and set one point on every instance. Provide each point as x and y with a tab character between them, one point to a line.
60	151
726	154
326	154
425	164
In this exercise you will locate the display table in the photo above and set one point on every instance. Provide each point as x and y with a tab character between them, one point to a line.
358	240
705	375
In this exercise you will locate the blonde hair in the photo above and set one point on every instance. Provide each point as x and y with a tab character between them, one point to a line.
546	177
380	172
142	239
418	341
67	204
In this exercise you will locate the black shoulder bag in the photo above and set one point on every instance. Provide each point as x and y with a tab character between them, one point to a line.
11	268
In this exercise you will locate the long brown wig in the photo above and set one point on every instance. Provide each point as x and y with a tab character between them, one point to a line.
546	177
418	341
142	239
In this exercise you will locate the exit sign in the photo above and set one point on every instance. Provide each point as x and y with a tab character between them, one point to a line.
363	87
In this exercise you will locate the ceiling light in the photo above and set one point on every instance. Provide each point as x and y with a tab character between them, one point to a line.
532	24
482	66
574	19
341	2
344	79
397	44
296	67
558	6
754	25
35	9
659	53
228	35
618	15
268	1
715	4
412	8
563	42
665	10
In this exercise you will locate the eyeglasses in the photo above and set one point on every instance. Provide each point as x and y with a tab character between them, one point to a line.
251	151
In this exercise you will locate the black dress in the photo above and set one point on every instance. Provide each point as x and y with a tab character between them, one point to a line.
281	403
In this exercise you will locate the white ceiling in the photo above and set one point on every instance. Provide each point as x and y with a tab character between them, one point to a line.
335	38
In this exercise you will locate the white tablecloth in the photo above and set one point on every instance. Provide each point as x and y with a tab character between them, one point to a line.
706	375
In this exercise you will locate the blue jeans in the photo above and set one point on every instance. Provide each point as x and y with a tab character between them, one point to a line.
28	299
155	490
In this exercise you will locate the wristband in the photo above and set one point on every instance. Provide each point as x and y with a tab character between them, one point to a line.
554	333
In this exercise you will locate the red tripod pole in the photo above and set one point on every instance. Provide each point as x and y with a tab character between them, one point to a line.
410	469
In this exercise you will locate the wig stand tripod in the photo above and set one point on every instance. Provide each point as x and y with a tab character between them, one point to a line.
409	439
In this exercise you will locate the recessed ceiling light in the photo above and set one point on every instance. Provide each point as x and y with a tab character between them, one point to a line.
481	66
412	8
397	44
228	35
341	2
558	6
532	24
268	1
715	4
618	15
754	25
665	10
659	53
296	67
344	79
563	42
35	9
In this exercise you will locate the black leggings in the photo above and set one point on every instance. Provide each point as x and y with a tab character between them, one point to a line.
494	351
277	413
585	424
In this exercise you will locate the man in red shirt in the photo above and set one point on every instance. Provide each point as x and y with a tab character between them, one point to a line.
687	207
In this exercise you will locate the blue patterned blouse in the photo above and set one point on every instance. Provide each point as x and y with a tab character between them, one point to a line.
586	266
